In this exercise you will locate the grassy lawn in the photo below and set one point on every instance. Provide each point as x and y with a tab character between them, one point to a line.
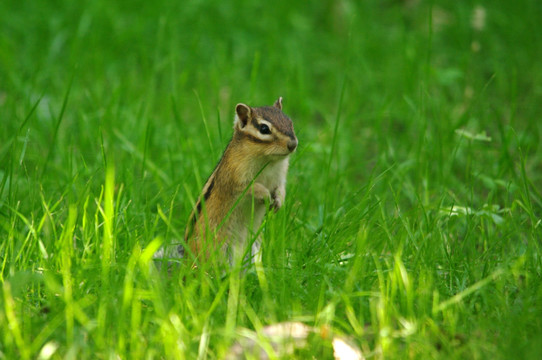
412	221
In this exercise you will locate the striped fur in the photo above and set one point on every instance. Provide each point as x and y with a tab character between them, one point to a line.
223	218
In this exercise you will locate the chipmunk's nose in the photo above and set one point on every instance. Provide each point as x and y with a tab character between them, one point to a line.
292	144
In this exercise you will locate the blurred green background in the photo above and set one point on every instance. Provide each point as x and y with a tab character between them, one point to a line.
419	130
412	73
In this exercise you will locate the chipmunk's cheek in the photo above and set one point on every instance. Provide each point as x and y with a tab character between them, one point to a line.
275	150
272	150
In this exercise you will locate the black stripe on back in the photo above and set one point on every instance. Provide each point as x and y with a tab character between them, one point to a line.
198	204
198	210
208	192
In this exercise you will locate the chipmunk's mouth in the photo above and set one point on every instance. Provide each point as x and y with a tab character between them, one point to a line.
278	156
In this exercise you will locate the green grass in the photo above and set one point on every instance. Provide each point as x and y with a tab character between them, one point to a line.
412	221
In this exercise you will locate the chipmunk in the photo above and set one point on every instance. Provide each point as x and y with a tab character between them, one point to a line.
250	174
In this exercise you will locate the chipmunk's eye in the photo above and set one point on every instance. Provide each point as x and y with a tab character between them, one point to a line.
264	129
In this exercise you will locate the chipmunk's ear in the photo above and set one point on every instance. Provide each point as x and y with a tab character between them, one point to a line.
242	114
278	103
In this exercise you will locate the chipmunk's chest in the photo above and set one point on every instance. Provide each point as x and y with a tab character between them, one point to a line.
274	174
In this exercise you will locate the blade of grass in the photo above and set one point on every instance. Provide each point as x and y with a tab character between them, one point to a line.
204	119
57	126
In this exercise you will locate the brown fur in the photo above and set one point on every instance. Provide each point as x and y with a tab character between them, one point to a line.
210	227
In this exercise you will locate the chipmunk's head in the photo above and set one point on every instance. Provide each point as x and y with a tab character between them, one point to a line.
267	128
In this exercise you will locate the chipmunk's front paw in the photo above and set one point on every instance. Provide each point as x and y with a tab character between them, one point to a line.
276	204
261	193
277	198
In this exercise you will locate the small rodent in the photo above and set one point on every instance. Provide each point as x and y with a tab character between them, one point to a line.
250	174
